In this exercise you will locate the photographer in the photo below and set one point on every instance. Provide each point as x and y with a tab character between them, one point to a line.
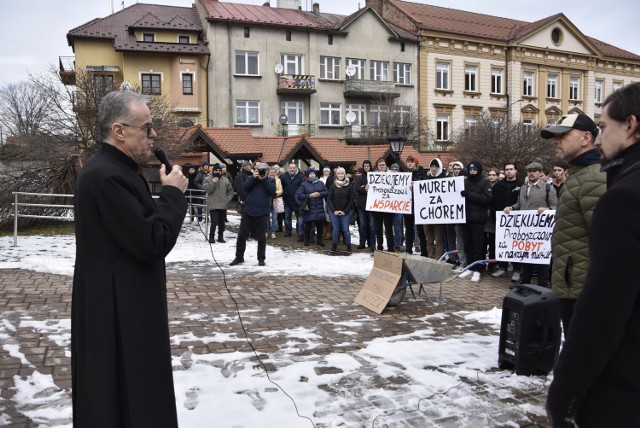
219	194
259	189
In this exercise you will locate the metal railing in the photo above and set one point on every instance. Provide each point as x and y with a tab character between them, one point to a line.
196	199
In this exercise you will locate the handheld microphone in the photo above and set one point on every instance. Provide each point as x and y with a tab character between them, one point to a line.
162	157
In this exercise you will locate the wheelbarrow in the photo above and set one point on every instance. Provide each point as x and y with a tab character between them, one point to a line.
419	270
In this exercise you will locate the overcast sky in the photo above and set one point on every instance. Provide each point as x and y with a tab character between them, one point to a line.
33	32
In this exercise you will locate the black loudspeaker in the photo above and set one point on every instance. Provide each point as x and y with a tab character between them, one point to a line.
530	330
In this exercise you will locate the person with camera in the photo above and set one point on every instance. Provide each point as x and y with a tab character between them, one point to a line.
219	194
258	188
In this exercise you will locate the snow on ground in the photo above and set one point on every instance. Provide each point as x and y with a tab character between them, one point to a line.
421	379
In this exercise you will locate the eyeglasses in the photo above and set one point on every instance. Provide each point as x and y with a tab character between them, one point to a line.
146	127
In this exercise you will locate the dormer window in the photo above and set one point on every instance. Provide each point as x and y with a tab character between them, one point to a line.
148	37
183	40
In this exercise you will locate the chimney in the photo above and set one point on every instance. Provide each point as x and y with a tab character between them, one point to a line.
316	7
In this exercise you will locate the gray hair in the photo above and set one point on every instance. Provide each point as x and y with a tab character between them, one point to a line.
115	107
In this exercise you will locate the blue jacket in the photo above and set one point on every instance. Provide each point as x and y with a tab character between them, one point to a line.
258	196
315	206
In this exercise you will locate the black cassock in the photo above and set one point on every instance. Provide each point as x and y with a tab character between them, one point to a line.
120	350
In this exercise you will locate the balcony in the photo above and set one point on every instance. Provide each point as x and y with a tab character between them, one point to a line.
67	69
297	129
366	134
301	84
370	89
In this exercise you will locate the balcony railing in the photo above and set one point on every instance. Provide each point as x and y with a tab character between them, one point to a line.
372	134
297	129
67	69
370	88
296	84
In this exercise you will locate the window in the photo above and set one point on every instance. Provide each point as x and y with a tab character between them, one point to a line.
292	64
358	64
247	32
496	80
330	113
247	112
184	40
556	36
379	70
552	86
527	125
598	91
187	84
442	127
616	86
330	39
359	110
287	35
402	73
442	76
151	84
148	37
402	115
574	88
527	86
294	111
247	63
471	78
378	114
103	84
401	47
469	123
330	67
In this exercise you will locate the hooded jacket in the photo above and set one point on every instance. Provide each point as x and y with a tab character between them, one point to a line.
477	191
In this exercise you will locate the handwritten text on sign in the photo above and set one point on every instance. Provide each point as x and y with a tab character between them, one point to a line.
525	236
389	192
438	201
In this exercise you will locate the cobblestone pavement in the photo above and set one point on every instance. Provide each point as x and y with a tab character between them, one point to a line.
284	302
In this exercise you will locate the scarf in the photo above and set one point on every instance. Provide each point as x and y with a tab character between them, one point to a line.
341	183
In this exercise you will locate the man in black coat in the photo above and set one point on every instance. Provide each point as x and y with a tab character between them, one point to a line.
291	181
597	376
505	194
258	190
120	350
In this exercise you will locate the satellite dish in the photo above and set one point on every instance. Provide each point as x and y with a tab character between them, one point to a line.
125	86
351	117
350	70
283	119
278	69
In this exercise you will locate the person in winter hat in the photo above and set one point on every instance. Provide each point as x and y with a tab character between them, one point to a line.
477	191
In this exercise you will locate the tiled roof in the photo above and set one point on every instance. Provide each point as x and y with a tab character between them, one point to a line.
143	16
265	15
454	21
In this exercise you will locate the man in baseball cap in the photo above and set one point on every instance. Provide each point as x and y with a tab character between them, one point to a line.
566	123
573	137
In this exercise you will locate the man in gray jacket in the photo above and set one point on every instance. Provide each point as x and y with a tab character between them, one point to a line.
219	194
573	137
535	194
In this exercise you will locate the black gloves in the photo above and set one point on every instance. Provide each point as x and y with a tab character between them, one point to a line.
463	193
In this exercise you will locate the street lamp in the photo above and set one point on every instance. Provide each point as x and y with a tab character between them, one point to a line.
396	143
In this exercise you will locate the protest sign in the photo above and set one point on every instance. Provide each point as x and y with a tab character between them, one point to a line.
525	236
438	201
381	282
389	192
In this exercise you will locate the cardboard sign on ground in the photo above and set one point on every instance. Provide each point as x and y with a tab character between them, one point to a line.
381	282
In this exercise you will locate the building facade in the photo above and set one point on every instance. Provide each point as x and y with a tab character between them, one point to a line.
283	71
159	50
473	64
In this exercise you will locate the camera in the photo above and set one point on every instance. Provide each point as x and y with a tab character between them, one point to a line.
262	172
